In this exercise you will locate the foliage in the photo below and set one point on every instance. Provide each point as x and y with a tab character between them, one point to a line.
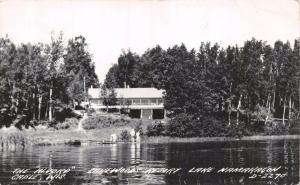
276	129
138	128
109	96
240	130
252	83
156	129
69	123
125	135
98	122
184	125
42	81
79	68
63	113
111	80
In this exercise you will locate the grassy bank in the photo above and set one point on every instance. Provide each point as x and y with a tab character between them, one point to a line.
98	128
12	138
93	129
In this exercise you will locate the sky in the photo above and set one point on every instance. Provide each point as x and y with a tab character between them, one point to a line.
111	26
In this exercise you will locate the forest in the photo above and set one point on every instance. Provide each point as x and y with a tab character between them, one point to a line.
238	87
208	91
43	82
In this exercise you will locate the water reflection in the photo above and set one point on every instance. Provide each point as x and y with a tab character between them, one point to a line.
284	153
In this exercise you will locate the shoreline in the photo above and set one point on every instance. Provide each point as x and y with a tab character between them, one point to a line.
13	138
166	139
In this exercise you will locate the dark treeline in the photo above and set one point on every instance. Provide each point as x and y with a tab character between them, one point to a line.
238	84
43	81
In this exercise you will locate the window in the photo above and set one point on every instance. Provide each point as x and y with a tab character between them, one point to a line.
136	101
95	101
145	102
153	101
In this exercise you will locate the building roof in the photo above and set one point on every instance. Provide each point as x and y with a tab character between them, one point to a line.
129	93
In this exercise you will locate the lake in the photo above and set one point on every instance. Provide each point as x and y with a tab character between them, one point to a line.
145	159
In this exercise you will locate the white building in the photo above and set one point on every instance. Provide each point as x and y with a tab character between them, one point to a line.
140	102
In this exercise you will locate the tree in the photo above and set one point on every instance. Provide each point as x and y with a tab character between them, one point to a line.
109	97
54	53
79	69
253	82
7	102
127	67
112	80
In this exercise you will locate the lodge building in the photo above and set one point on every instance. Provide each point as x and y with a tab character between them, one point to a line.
139	102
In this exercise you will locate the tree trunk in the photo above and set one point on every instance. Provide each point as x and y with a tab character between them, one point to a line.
268	105
229	105
12	98
229	113
238	110
298	98
46	112
283	121
74	104
84	89
17	103
266	121
290	108
27	102
33	103
40	106
269	108
50	105
274	96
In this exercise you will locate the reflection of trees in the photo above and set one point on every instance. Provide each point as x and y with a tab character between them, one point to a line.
276	153
135	150
269	152
291	159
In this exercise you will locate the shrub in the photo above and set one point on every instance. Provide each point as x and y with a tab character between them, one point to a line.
125	135
90	111
276	128
98	122
6	116
237	131
63	113
69	123
212	127
138	128
49	124
182	125
156	129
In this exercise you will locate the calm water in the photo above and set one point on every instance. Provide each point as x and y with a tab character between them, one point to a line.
284	153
